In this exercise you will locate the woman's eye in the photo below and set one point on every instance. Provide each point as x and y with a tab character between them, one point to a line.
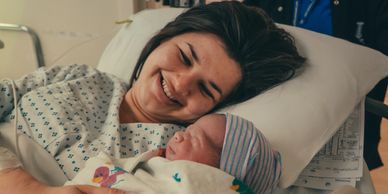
185	59
204	90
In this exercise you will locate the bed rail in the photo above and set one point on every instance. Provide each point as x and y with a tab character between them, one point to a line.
34	36
376	107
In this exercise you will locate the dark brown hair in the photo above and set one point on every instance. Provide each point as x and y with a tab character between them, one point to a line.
266	54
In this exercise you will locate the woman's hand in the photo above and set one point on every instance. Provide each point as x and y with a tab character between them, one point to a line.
101	190
84	189
18	181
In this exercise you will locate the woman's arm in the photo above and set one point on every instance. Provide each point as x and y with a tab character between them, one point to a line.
18	181
14	179
12	90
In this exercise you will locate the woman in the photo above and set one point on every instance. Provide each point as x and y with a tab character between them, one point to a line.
207	58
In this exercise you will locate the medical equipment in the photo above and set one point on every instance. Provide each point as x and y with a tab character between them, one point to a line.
34	37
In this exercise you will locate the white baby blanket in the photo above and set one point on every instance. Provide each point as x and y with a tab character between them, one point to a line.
149	173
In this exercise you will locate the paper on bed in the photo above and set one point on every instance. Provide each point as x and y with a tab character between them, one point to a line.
148	174
340	161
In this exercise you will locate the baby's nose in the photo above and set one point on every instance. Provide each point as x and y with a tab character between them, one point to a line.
178	137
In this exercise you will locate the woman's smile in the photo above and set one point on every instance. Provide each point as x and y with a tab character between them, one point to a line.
163	93
168	91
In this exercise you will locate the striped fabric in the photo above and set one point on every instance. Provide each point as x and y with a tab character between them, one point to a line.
248	156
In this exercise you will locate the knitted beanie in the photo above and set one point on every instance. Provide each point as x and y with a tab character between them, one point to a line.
248	156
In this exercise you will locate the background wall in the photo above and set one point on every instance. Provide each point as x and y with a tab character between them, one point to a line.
63	26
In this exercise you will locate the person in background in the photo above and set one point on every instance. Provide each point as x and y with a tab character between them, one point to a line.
359	21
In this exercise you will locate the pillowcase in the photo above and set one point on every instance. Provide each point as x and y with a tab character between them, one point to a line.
121	54
297	117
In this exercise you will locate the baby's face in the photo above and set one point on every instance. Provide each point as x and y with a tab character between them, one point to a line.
201	142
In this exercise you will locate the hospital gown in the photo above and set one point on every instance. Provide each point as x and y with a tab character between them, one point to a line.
72	112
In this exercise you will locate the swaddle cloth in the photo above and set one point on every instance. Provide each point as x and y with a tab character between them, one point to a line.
248	156
150	174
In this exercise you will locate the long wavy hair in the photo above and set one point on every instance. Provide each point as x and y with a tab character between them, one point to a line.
266	54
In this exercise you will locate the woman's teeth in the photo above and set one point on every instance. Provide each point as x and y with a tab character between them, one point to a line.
167	91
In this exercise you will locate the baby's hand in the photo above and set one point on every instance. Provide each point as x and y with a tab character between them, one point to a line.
160	152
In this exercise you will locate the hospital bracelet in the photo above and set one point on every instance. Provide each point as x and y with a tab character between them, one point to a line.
8	159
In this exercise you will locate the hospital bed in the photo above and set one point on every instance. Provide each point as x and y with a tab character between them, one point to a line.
34	37
120	55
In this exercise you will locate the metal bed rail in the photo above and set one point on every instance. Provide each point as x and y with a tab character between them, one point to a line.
376	107
34	36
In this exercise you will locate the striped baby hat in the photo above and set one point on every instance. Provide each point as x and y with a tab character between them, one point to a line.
248	156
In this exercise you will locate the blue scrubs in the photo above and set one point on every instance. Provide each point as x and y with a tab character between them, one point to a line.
314	15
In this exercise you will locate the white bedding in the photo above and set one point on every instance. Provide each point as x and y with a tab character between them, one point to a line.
151	174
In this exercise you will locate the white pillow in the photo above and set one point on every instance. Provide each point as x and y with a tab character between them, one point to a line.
299	116
121	54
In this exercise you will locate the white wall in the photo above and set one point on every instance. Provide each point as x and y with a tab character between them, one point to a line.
65	27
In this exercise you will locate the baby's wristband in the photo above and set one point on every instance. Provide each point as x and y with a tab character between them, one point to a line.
8	159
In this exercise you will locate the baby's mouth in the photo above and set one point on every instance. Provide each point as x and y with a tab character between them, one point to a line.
170	150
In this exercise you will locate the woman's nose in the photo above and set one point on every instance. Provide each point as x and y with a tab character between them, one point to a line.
184	83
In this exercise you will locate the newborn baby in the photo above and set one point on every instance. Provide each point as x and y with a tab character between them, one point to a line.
232	144
201	142
226	142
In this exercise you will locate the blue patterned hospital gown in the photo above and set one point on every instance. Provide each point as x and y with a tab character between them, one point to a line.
72	112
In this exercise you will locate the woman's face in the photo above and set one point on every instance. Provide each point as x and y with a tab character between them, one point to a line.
184	78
